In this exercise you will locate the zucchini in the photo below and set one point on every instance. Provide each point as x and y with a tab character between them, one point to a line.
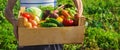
52	20
48	24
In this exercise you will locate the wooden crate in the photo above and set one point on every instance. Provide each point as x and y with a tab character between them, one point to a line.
53	35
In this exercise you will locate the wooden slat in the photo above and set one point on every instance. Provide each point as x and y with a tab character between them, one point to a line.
53	35
44	36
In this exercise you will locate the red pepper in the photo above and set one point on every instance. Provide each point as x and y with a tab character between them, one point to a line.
68	22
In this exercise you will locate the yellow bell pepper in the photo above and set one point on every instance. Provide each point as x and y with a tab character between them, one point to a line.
60	19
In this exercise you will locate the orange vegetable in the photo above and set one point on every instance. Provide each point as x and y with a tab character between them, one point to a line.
34	26
34	23
62	16
65	14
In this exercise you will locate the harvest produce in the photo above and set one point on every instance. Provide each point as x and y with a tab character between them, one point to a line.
48	24
68	22
65	14
26	15
52	20
35	11
30	20
60	19
36	17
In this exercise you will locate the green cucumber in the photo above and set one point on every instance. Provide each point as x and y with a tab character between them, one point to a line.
53	20
48	24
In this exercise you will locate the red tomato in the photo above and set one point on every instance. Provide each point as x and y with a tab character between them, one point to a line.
26	15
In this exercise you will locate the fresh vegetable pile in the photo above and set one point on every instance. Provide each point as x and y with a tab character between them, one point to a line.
35	17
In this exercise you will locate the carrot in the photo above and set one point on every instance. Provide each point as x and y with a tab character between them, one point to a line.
65	14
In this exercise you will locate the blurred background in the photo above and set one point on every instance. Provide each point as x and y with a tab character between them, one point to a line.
102	26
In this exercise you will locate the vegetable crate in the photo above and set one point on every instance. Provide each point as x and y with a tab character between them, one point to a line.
52	35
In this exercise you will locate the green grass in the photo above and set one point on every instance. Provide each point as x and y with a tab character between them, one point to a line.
102	31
